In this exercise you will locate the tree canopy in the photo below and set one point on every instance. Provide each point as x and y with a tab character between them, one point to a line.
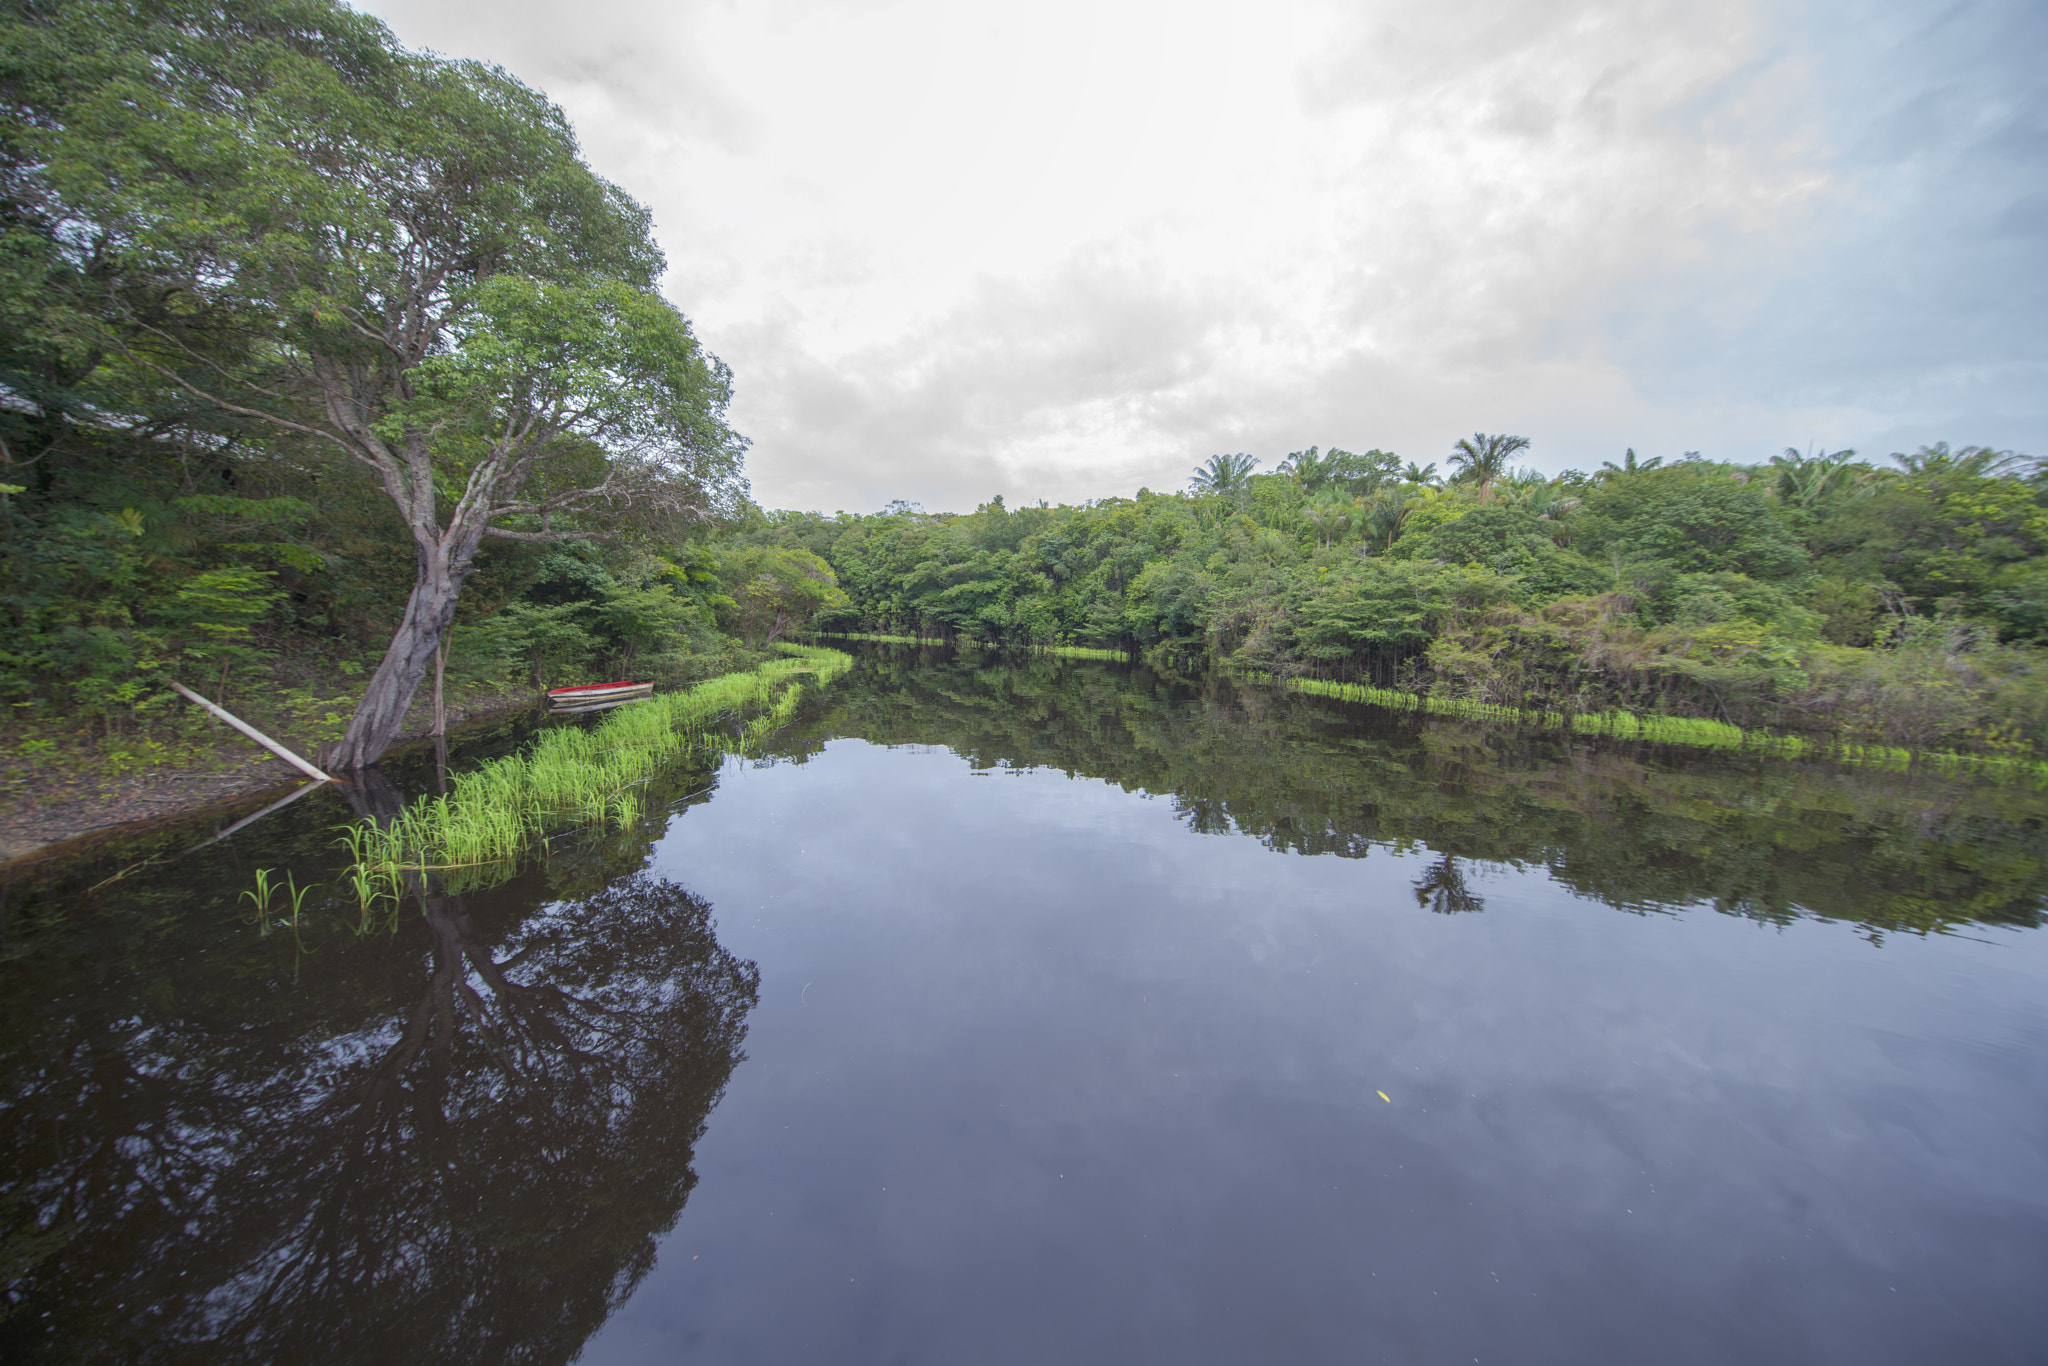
1905	603
266	222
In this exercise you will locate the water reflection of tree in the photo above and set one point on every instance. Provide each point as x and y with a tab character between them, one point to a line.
474	1166
1442	889
1639	828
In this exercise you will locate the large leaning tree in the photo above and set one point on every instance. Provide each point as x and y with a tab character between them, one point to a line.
277	214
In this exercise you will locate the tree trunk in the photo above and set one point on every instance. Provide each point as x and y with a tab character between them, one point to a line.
380	716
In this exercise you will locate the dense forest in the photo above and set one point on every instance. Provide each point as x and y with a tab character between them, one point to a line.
1902	600
329	367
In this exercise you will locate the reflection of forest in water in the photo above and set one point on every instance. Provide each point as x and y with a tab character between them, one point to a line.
458	1141
1637	827
461	1135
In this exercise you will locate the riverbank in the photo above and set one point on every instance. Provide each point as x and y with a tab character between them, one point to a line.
1693	732
65	781
52	808
1689	731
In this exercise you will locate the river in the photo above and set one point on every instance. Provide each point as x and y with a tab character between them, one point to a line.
1027	1011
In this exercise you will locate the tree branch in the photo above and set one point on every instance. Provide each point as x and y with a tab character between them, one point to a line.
257	413
542	537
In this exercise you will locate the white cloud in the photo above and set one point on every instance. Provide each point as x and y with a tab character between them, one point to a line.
1064	249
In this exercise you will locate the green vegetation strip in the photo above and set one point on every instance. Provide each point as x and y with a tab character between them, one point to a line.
878	639
582	776
1084	652
1679	730
1063	651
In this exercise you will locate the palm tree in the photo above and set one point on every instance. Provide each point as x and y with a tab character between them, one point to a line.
1309	468
1425	475
1328	513
1485	458
1981	461
1516	485
1224	474
1807	479
1629	465
1387	513
1548	499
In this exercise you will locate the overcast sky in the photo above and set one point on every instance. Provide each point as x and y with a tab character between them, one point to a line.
1061	250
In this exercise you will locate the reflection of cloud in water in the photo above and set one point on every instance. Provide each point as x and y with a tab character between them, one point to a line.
473	1165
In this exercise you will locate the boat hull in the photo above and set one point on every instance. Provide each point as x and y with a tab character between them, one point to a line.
593	698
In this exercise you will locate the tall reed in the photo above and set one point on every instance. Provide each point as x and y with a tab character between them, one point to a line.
266	891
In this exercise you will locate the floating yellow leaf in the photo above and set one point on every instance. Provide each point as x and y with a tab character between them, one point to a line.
1384	1096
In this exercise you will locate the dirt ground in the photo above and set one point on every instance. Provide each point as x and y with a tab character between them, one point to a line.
64	809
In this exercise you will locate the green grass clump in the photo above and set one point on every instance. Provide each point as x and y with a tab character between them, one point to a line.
574	775
1063	651
1683	730
1084	652
879	639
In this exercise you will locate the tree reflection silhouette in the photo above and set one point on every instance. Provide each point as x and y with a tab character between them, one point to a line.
1442	889
473	1167
463	1141
1639	827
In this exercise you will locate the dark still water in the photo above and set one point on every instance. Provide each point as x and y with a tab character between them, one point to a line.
1052	1012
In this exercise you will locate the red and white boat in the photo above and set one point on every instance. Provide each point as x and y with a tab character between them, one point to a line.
591	696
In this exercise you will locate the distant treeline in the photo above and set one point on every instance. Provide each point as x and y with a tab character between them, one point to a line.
1902	602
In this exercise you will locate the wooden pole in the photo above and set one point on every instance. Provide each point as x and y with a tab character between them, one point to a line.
440	711
251	820
254	734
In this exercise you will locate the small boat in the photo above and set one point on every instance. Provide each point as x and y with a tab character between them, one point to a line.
594	696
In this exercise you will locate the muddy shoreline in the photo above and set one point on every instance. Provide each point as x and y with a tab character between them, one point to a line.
58	819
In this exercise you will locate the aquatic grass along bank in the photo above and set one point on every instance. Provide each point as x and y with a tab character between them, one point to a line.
1085	652
875	639
1681	730
1062	651
573	775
